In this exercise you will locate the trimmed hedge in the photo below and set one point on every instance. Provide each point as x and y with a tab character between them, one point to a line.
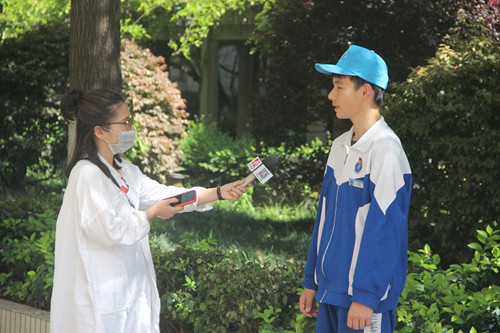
204	289
27	226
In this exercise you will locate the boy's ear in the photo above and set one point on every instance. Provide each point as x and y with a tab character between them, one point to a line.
367	90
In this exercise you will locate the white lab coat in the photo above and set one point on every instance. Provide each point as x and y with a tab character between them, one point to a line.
104	279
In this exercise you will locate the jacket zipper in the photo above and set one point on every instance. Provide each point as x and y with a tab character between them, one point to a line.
334	224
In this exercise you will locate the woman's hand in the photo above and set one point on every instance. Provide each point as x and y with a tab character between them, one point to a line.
232	191
163	209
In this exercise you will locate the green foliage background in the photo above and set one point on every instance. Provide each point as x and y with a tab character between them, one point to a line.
212	157
33	136
19	16
405	33
33	77
446	114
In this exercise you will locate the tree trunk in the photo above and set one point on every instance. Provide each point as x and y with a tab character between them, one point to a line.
94	56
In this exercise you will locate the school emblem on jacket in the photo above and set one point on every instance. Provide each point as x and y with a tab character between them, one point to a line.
359	165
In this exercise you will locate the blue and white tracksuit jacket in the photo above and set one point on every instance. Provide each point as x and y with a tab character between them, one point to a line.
359	245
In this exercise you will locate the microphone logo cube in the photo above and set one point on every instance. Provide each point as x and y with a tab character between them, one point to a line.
259	170
254	164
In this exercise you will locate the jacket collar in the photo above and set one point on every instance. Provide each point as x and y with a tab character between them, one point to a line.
364	143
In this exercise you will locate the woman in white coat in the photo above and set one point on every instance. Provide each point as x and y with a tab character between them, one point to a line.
104	279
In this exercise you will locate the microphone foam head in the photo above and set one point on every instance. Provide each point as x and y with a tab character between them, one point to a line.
271	162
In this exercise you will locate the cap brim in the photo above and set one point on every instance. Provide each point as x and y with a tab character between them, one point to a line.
332	69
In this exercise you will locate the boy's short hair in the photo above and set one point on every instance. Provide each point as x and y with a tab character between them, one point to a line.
378	93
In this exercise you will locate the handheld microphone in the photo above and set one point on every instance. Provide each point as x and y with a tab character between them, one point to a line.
261	170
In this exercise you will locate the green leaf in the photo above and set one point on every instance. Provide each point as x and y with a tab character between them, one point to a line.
475	246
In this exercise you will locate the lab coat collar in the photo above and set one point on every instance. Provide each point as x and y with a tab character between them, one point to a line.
113	171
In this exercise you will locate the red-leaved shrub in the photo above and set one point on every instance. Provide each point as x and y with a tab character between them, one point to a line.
160	111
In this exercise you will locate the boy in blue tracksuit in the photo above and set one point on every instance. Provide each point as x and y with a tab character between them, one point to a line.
356	267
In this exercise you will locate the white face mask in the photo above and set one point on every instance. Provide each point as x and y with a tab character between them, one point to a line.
125	142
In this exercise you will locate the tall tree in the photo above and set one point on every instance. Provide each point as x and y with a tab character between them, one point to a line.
94	56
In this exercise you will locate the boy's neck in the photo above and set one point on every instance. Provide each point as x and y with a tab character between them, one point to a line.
363	123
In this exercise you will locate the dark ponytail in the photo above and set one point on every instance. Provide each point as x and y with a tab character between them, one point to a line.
69	105
91	109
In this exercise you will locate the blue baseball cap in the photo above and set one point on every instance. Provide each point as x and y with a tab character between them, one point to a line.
358	61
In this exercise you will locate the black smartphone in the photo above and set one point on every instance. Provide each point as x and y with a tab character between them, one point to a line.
184	199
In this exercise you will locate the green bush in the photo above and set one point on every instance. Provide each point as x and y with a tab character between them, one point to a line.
212	157
27	226
204	289
30	269
26	215
292	35
248	282
446	115
462	298
33	76
299	176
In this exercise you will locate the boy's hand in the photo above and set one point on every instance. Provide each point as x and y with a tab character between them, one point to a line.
359	316
307	303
